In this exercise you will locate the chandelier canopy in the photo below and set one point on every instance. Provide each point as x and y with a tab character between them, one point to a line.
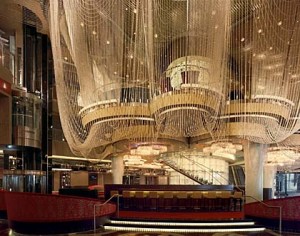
169	69
264	89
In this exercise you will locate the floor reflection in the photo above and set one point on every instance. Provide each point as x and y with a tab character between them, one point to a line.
5	231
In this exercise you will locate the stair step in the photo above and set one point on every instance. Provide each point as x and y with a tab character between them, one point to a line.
181	223
182	226
182	229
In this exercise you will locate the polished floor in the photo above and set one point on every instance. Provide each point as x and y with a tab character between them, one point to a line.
5	231
120	233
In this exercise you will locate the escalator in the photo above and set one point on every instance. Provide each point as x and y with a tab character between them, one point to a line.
237	175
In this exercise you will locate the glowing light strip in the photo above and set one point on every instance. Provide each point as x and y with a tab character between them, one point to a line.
134	229
126	118
181	223
61	169
275	98
105	102
77	158
248	115
183	108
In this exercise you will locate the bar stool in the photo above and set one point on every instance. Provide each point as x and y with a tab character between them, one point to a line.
153	200
224	197
196	200
204	200
209	199
182	198
168	200
237	198
140	197
127	198
219	200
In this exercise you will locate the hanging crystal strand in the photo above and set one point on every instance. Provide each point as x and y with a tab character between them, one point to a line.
196	89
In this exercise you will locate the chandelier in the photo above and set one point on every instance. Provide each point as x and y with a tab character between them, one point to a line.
192	62
263	93
139	71
223	149
103	71
282	157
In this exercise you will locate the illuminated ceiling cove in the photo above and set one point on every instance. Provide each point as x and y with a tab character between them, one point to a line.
163	71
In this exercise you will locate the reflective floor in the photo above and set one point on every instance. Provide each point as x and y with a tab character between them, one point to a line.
5	231
120	233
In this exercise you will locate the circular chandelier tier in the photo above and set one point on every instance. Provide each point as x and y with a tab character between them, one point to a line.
187	101
115	112
261	121
189	112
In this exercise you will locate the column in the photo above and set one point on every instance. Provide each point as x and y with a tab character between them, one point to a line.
269	176
117	167
254	155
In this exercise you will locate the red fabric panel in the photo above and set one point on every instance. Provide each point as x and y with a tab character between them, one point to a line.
290	209
2	201
33	207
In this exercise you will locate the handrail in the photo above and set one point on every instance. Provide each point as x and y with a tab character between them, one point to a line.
165	156
102	204
174	167
203	166
270	206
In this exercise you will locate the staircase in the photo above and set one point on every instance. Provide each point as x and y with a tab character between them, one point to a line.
147	226
169	160
186	173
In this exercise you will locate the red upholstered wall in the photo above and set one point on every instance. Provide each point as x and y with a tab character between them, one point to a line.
290	209
33	207
2	201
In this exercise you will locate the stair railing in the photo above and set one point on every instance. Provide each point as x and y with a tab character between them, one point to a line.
166	158
205	167
185	173
270	206
102	204
173	165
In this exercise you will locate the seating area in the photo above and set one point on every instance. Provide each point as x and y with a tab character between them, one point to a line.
173	200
